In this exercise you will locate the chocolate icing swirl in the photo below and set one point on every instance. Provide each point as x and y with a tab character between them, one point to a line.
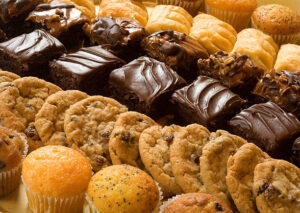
55	6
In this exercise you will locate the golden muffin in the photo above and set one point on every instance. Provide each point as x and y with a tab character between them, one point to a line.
279	21
122	188
213	33
192	6
288	58
260	47
235	12
56	177
124	8
169	17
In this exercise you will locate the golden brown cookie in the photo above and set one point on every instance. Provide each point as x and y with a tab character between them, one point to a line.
49	122
6	77
154	147
277	187
239	178
213	164
185	153
124	140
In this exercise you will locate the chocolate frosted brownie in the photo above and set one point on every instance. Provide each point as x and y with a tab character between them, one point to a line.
29	54
296	152
282	88
207	102
61	20
145	85
86	70
177	50
269	127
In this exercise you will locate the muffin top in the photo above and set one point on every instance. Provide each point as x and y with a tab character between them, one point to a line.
276	19
233	5
56	171
123	188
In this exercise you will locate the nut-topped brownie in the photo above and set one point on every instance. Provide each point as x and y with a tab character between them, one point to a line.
145	85
29	54
86	70
207	102
177	50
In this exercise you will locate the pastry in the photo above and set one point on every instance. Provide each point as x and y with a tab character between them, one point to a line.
280	22
192	6
213	164
56	177
6	78
177	50
86	70
277	187
185	153
86	6
268	126
261	48
124	139
288	58
169	17
235	12
124	8
122	188
29	54
239	178
145	85
122	36
49	121
207	102
233	70
213	34
88	125
63	21
154	148
282	88
296	152
195	202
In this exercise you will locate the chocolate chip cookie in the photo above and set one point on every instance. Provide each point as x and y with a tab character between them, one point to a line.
277	187
154	146
5	78
213	163
185	153
124	140
88	125
239	178
49	122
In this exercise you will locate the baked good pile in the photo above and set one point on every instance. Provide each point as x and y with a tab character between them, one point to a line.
163	110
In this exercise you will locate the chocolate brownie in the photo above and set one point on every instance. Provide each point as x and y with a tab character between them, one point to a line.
269	127
296	152
145	85
3	36
29	54
86	70
207	102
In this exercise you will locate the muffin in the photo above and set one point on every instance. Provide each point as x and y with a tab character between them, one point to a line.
213	34
56	178
13	148
192	6
194	202
124	9
169	17
260	47
288	58
122	188
280	22
235	12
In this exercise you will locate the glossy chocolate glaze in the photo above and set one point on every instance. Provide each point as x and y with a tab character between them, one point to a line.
268	126
207	102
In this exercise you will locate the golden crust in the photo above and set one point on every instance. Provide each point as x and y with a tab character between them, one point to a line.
261	48
213	33
288	58
276	19
233	5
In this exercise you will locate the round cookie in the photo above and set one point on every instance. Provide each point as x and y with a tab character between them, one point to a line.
124	140
6	77
154	147
49	122
277	187
88	125
184	156
213	164
240	172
